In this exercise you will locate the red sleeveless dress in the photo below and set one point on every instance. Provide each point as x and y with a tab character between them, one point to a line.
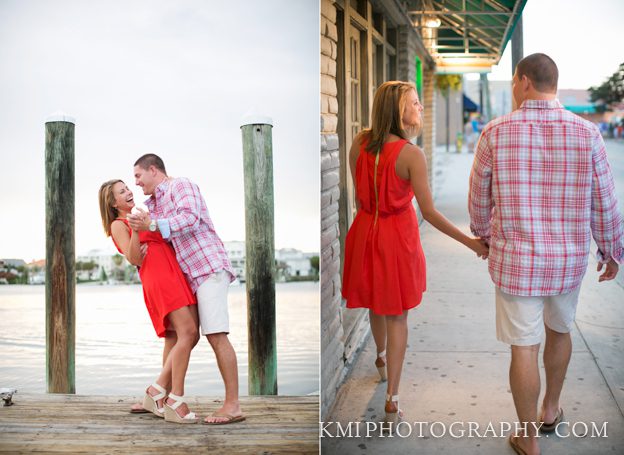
384	267
165	288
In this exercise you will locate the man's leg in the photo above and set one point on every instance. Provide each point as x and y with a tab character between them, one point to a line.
525	388
557	353
228	366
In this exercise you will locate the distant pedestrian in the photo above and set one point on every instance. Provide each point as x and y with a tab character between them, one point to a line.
540	185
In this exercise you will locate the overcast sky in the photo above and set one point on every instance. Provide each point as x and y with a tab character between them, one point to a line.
583	38
164	77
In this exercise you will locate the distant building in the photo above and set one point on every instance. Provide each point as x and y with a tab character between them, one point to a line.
236	253
297	262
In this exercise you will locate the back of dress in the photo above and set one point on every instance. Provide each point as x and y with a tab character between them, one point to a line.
384	263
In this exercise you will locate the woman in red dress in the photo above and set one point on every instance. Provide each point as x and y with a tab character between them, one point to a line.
384	267
169	300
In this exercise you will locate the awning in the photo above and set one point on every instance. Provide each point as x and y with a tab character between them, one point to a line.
469	105
465	35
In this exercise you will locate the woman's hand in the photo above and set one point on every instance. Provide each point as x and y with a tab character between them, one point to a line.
480	247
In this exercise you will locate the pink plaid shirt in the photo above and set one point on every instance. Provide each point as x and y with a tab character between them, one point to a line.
540	183
198	248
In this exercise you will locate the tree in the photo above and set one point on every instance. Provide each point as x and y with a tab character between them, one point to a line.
314	263
610	92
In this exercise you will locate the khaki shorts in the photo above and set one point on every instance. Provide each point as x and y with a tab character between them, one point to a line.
520	319
212	303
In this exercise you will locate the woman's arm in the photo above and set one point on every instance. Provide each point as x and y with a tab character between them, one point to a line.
128	242
354	153
413	163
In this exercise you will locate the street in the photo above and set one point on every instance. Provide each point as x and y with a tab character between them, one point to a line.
615	152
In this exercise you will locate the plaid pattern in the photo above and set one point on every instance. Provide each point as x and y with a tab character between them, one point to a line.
540	184
198	248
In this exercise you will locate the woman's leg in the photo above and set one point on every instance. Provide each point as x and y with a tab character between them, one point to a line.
164	379
378	327
396	327
185	322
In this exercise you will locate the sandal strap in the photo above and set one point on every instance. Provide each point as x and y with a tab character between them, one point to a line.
392	398
159	396
179	401
381	354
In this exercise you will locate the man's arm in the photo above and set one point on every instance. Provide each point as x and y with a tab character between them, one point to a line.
187	202
480	202
606	221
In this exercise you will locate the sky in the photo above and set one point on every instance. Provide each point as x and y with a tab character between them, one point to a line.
171	78
584	39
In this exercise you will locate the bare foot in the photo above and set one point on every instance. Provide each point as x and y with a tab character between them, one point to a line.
529	445
137	408
232	409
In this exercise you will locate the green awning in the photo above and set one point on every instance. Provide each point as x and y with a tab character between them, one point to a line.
465	35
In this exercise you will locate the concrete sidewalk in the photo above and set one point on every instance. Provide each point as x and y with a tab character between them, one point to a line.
456	371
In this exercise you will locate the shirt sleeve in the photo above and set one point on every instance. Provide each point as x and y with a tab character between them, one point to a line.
606	220
187	202
480	201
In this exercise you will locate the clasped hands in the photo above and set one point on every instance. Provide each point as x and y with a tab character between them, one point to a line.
140	221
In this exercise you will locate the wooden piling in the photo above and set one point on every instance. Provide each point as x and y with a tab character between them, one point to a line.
60	254
260	254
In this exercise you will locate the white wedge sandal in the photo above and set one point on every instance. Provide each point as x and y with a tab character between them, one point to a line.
172	416
150	403
393	417
380	363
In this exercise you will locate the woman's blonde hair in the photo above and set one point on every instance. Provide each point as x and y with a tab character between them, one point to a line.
387	118
107	211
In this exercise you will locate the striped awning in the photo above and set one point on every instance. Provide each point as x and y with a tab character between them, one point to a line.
465	35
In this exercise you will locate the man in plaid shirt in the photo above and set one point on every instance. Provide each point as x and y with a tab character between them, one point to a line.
178	210
539	185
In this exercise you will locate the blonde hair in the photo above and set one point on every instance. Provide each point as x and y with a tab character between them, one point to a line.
107	211
387	117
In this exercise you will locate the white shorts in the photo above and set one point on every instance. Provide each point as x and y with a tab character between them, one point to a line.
520	319
212	303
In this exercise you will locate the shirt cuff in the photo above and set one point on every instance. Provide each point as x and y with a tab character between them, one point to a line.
163	227
617	256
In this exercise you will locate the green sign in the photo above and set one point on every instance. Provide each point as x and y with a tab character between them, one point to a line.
419	76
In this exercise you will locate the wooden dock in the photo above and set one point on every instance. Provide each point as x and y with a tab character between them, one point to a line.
55	423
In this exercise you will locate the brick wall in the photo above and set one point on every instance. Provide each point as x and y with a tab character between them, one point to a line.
332	347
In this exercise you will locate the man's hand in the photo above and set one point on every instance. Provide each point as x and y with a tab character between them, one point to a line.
610	272
139	221
143	251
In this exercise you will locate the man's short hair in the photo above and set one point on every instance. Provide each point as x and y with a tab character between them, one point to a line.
541	70
150	159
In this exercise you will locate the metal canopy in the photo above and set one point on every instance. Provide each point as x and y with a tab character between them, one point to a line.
465	35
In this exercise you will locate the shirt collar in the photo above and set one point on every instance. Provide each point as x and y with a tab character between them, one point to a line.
159	191
541	104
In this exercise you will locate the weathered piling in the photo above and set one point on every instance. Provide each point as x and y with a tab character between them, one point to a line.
60	254
260	254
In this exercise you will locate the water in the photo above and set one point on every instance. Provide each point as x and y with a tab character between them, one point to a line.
118	353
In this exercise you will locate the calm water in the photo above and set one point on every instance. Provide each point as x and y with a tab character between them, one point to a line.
118	353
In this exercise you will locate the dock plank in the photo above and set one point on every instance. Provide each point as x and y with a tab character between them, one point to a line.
77	424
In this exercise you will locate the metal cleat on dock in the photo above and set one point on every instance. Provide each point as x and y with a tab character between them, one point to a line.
6	393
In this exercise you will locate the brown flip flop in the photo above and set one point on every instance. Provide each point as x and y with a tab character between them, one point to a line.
138	410
230	419
514	445
550	427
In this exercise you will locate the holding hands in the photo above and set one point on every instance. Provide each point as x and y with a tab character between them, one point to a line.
480	247
140	220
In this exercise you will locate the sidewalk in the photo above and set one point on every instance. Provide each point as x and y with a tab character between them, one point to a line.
456	371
